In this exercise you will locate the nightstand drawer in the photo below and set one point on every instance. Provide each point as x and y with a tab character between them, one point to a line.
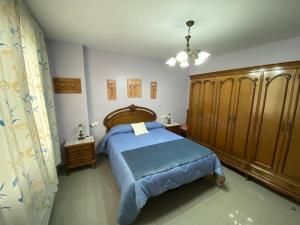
79	163
81	155
174	129
81	148
85	160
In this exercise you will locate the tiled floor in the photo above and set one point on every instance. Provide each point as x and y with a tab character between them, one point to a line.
91	197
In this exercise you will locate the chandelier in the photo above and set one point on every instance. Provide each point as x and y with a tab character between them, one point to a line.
188	56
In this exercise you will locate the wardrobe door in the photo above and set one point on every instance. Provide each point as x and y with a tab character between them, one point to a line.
206	110
274	103
245	102
290	163
225	89
195	88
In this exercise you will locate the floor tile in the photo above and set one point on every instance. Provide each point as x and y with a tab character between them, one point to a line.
91	197
277	211
68	212
101	208
182	220
203	215
235	205
232	179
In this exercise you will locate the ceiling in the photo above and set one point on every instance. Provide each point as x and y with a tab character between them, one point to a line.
156	28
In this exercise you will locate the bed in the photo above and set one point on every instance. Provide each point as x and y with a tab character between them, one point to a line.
131	158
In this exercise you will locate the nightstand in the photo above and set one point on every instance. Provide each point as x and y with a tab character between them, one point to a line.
173	127
80	153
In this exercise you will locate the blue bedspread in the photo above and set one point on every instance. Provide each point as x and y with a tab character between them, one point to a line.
152	159
134	194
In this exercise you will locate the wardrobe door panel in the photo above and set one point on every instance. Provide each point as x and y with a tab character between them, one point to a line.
207	110
273	109
290	166
245	104
224	105
195	89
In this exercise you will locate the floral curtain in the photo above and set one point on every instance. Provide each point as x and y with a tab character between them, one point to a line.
29	149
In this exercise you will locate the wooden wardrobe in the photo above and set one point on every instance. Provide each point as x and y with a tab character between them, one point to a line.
251	118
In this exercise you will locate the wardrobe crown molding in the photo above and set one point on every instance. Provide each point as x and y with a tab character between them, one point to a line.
252	69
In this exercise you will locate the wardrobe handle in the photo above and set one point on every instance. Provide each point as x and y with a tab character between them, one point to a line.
289	128
233	119
283	127
230	118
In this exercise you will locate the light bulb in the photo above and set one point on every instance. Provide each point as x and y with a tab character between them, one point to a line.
171	61
199	61
202	56
182	56
184	64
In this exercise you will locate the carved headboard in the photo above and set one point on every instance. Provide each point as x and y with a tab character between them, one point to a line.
130	114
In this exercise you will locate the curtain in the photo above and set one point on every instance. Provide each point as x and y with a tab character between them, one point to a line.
29	149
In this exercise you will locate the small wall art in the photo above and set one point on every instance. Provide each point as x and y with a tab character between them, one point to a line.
134	88
111	90
64	85
153	90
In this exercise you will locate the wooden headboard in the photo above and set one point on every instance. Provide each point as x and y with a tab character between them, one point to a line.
130	114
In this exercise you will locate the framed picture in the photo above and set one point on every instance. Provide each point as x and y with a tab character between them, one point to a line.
111	89
153	90
134	88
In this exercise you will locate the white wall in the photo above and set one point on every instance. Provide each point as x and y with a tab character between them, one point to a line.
281	51
66	60
94	67
101	65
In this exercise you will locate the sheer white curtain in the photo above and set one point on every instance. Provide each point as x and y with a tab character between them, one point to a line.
29	149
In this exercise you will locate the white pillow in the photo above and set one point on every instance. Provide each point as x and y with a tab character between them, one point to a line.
139	128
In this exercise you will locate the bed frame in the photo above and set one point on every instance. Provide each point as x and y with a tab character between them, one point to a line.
130	114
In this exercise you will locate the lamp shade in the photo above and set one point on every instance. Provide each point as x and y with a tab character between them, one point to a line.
171	61
184	64
182	56
202	56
